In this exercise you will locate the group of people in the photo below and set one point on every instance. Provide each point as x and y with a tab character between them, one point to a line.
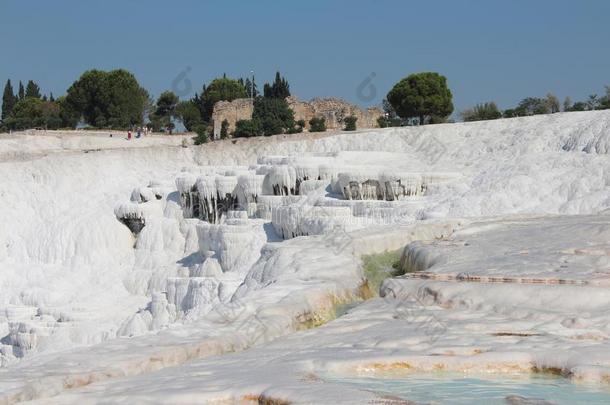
139	132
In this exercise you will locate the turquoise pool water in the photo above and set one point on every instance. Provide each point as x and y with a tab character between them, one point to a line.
445	388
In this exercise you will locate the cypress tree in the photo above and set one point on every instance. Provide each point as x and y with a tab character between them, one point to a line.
51	98
32	89
21	91
8	100
279	89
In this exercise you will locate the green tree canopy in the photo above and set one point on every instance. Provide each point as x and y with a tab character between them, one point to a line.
188	113
107	99
317	124
166	104
32	90
221	89
273	114
164	111
605	101
32	112
224	129
532	106
21	92
350	123
424	96
246	129
278	89
8	100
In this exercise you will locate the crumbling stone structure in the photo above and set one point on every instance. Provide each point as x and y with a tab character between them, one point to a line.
333	110
232	111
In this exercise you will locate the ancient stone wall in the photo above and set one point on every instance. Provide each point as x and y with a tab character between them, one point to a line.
334	110
232	111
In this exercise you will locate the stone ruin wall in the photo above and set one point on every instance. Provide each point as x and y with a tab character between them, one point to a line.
232	111
334	110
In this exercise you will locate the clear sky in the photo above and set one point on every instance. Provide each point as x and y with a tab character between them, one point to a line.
489	49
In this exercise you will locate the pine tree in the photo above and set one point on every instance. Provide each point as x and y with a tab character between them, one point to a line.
51	98
8	100
32	89
21	91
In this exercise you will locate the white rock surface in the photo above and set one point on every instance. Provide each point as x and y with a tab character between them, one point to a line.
74	279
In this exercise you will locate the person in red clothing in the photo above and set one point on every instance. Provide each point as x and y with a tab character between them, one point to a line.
128	135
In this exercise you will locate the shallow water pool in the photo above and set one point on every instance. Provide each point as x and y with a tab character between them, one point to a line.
446	388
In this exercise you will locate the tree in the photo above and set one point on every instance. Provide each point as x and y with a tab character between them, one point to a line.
69	117
278	89
165	111
350	123
221	89
273	115
188	113
32	90
317	124
481	112
251	88
509	113
202	134
32	112
552	103
8	100
579	106
532	106
592	102
247	128
422	96
107	99
567	104
224	129
21	92
605	101
390	118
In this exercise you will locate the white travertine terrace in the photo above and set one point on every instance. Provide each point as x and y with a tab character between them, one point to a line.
239	245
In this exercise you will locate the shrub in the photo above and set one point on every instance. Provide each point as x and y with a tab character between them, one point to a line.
246	129
202	134
317	124
386	122
224	129
482	112
532	106
298	128
350	123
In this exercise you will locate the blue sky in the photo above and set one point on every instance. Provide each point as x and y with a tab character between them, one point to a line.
488	49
